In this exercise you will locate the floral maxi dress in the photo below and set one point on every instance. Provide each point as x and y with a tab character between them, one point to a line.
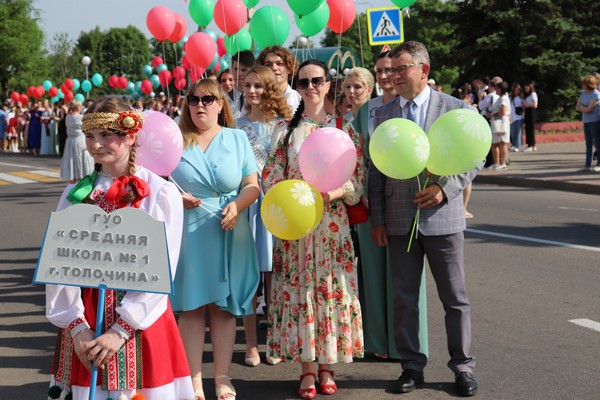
314	312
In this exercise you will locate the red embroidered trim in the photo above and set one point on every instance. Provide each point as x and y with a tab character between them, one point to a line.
76	323
126	327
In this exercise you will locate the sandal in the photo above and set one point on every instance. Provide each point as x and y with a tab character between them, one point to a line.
225	390
252	361
330	388
198	393
310	392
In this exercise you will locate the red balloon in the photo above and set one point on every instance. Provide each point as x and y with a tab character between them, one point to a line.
179	30
23	99
68	96
200	48
53	91
146	87
161	22
230	15
342	15
217	67
156	61
15	96
30	91
69	84
113	81
180	83
39	92
196	73
64	88
187	64
165	77
122	82
179	72
221	46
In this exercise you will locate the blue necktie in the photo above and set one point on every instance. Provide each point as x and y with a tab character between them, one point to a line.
410	111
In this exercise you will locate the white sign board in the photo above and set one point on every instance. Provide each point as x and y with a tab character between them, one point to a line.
124	250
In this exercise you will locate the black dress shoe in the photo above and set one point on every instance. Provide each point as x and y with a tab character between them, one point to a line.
466	385
408	381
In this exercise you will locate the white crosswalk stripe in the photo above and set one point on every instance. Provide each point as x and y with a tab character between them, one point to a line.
14	179
30	176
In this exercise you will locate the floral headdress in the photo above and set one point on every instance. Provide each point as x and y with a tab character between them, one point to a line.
127	122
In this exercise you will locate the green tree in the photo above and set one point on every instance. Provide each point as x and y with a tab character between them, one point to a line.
61	61
21	63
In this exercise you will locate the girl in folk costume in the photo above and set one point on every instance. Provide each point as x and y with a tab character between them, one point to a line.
140	354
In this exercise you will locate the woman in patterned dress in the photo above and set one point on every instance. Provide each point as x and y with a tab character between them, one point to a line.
265	107
140	350
315	313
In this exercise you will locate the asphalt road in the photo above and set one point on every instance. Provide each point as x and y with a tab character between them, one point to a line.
532	266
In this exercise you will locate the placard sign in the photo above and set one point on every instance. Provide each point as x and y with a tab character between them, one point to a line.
124	250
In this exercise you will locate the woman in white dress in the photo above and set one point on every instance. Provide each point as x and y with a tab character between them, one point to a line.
76	161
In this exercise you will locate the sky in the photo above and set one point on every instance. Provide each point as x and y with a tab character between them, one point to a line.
75	16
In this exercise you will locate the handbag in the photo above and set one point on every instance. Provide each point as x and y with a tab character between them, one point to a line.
357	214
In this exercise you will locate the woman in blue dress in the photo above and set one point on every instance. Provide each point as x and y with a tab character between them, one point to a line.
34	140
265	106
218	268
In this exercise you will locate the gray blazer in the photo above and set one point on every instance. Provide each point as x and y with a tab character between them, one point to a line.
390	200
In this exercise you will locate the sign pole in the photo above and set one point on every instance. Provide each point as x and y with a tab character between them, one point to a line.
99	321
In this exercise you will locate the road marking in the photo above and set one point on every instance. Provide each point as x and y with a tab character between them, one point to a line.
587	323
577	209
14	179
529	239
23	166
22	177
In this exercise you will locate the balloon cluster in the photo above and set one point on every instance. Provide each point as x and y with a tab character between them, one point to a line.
457	142
293	208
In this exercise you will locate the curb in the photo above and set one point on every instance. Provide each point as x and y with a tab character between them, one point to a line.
539	184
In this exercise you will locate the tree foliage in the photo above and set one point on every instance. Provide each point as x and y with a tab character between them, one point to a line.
21	42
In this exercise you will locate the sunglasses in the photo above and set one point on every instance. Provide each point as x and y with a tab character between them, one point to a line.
207	100
316	82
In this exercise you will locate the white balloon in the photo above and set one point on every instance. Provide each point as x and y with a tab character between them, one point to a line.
85	60
333	72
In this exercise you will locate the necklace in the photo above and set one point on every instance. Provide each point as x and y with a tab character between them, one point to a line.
109	176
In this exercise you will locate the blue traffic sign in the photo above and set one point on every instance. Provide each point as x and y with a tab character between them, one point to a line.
385	26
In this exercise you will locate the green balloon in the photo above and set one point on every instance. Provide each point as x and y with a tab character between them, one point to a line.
97	79
250	3
269	26
238	42
86	86
315	22
460	140
47	84
399	148
403	3
202	11
304	7
155	80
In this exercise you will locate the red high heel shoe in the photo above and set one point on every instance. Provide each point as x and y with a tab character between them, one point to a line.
328	389
307	393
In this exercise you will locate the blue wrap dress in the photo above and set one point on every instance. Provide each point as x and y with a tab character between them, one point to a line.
216	266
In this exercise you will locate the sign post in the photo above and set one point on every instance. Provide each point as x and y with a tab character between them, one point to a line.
385	26
124	250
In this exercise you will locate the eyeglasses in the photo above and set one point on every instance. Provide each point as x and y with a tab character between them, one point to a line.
207	100
387	71
316	82
401	69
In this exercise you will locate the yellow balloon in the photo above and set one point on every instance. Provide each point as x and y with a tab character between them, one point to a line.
292	209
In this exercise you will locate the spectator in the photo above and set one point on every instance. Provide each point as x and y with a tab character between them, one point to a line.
3	128
517	114
240	65
530	104
499	117
358	86
335	89
589	107
76	160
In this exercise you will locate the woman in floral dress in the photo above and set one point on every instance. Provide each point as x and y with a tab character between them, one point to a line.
315	313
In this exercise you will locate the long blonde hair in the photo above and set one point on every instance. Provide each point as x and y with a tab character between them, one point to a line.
186	124
273	102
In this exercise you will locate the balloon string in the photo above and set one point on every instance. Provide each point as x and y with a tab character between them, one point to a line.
165	58
362	57
414	233
201	204
176	62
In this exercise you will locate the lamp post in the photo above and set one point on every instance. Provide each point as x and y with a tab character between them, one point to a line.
85	60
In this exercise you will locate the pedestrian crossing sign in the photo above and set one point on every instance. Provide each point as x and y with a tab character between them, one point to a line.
385	26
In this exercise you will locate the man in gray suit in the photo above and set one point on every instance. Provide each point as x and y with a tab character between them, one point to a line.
393	204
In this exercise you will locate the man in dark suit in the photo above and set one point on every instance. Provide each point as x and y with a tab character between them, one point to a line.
393	204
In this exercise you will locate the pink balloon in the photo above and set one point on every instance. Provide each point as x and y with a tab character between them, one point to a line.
200	49
179	30
161	22
221	46
160	143
327	158
342	15
230	15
